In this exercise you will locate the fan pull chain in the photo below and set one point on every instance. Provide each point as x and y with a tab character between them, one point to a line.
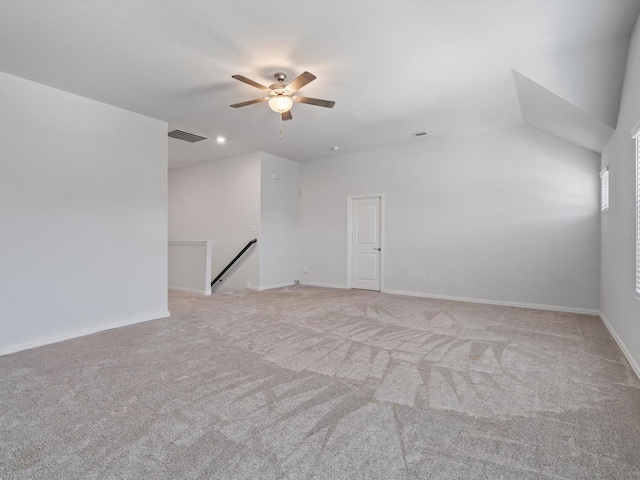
281	129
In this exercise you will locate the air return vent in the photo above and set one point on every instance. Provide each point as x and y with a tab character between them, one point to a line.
186	136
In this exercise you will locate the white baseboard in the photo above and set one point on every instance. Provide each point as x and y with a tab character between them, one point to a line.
623	347
190	290
269	287
81	333
325	285
534	306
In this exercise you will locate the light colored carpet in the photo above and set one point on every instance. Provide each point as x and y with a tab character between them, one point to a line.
312	383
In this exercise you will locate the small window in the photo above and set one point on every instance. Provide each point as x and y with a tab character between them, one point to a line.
604	189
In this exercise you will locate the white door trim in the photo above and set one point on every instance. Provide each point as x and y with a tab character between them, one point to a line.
350	200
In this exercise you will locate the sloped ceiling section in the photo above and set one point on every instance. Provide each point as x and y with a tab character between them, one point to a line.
575	96
550	113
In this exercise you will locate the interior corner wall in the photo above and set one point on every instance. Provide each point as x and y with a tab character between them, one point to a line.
278	221
505	217
83	215
617	304
220	201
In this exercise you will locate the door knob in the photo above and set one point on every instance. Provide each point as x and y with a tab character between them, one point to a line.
379	249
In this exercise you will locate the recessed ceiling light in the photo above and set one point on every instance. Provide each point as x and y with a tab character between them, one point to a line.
335	148
221	139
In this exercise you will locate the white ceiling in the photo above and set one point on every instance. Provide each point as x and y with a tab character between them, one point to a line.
393	68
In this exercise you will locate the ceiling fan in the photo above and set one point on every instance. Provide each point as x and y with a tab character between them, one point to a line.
281	96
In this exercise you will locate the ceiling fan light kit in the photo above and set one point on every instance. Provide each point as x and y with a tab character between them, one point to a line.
281	97
280	103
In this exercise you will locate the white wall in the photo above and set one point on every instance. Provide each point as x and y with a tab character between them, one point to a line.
509	216
220	201
590	78
617	302
83	215
278	221
190	266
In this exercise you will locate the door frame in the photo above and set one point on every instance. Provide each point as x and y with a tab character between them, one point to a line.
350	199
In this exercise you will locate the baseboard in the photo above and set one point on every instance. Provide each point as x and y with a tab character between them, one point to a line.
270	287
81	333
623	347
325	285
534	306
190	290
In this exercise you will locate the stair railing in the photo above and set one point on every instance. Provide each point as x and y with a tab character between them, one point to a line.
219	277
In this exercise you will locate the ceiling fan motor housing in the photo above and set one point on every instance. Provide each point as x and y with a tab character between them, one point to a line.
279	88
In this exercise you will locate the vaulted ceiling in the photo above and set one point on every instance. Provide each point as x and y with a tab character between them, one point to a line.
450	68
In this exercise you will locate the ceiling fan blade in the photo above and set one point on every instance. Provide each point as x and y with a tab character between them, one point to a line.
286	115
250	102
300	81
250	82
315	101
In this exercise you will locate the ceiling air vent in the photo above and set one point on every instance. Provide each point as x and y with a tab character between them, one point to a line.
186	136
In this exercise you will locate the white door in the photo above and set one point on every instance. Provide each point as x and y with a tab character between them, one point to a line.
365	243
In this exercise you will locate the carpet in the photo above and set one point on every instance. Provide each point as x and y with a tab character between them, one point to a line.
314	383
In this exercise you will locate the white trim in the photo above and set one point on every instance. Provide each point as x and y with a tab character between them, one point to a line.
635	130
383	242
637	217
190	290
623	347
349	235
350	199
324	285
207	271
534	306
81	333
191	242
269	287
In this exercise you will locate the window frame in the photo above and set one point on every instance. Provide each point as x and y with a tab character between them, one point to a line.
604	189
637	179
635	134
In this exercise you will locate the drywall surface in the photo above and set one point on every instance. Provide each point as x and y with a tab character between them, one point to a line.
509	216
220	201
546	111
278	221
617	302
589	79
83	215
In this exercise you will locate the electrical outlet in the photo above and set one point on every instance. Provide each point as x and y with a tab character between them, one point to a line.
305	270
432	279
